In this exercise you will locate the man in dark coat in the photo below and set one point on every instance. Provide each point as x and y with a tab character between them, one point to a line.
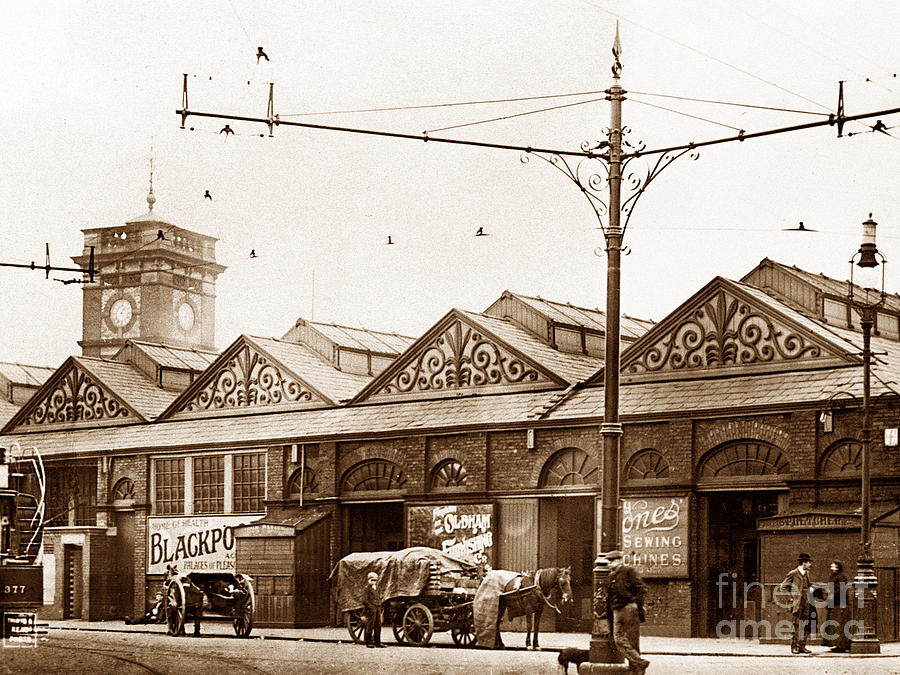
797	584
372	603
625	594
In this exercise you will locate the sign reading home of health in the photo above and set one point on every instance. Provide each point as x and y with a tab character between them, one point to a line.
655	535
192	543
460	530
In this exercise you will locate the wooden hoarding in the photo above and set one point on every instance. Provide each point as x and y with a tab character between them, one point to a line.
465	530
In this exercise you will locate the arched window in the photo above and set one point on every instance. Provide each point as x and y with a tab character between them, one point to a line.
302	478
373	474
842	458
123	490
568	467
448	474
746	459
646	463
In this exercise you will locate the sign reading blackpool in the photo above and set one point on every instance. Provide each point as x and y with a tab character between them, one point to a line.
464	530
655	535
192	543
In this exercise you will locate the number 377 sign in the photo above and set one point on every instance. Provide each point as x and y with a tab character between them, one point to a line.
654	535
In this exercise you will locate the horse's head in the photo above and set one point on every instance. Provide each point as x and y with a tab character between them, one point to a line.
564	583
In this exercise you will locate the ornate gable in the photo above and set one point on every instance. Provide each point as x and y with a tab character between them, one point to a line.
244	377
723	327
71	395
455	355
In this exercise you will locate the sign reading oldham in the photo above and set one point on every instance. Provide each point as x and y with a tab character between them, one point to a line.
461	530
655	535
192	543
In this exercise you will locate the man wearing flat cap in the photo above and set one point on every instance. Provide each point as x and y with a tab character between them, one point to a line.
372	603
797	584
625	594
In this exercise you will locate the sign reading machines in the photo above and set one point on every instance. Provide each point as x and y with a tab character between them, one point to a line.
192	543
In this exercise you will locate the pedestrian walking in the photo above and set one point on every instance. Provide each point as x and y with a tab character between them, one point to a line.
797	584
835	629
625	594
372	602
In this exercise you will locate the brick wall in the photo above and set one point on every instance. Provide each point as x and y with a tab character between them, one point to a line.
470	450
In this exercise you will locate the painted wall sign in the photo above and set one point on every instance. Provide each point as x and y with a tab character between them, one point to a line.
809	521
464	530
655	535
193	543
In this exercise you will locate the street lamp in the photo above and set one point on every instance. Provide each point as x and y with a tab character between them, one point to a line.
866	299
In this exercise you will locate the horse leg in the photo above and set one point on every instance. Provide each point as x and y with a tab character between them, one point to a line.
498	641
536	618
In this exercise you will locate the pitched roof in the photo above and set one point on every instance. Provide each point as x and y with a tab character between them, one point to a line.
359	338
595	319
168	356
19	373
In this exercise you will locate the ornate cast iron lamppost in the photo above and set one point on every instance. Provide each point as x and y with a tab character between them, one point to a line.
600	178
866	302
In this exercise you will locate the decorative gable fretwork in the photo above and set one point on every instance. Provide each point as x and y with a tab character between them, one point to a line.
247	379
460	357
76	397
724	331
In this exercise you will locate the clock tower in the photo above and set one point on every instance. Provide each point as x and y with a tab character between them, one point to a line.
155	281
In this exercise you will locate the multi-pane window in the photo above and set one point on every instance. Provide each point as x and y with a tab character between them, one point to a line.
209	484
169	486
249	483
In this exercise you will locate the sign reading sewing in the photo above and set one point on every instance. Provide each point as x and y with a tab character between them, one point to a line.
192	543
460	530
654	535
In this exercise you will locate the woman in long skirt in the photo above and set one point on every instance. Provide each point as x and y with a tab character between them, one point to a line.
835	634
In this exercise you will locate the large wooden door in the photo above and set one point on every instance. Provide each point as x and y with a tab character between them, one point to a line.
123	573
312	599
373	527
566	540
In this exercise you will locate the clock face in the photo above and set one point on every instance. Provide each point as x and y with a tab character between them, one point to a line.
185	316
120	313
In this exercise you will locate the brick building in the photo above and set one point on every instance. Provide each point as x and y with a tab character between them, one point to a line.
741	413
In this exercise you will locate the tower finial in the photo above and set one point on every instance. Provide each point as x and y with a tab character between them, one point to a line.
617	51
151	200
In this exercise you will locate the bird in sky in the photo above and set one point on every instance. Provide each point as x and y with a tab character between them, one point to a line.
389	241
208	196
480	232
227	130
800	228
880	126
260	54
253	253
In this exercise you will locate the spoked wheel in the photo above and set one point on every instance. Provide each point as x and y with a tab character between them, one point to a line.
398	630
418	625
463	633
176	607
243	621
356	626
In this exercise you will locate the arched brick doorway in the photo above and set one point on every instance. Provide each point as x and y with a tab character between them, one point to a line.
372	495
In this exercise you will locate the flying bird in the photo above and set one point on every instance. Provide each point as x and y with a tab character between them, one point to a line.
481	233
800	228
227	130
880	126
260	54
389	241
208	196
253	253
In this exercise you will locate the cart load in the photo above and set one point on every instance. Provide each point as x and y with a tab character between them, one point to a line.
422	590
220	595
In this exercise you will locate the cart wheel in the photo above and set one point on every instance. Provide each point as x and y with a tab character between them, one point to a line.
176	607
243	622
356	626
418	625
463	633
398	631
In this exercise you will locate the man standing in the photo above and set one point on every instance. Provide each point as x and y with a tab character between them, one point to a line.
797	584
372	602
625	604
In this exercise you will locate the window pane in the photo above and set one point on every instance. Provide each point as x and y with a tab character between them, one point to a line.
169	486
209	484
249	483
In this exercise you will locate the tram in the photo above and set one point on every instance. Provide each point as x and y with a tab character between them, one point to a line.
22	483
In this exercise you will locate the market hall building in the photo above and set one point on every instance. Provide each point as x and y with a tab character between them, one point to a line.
278	456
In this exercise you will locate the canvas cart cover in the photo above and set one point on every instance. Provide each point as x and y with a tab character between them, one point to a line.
400	573
487	605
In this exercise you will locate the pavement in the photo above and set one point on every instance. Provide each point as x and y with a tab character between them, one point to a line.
650	645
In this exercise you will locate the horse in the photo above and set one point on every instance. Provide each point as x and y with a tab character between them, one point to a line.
534	593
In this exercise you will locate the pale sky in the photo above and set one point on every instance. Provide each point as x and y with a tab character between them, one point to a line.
86	88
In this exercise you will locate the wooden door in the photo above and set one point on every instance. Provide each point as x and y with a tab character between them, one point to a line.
123	574
312	605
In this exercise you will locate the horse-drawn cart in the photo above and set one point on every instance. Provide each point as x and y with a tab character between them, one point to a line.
220	595
422	590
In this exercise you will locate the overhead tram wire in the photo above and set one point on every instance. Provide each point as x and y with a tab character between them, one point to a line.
509	117
731	103
678	112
